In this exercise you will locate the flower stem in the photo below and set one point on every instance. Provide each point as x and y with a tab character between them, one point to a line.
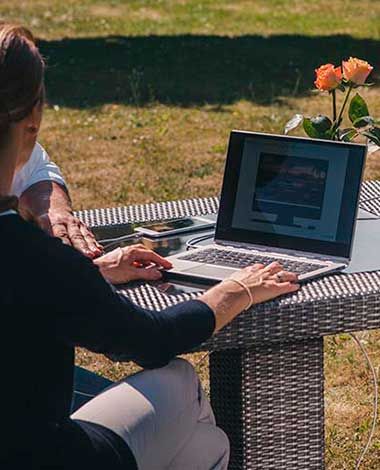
338	121
334	112
334	104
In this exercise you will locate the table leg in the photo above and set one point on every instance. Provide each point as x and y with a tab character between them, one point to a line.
269	401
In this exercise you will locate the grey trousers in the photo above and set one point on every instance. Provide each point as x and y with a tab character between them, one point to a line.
164	417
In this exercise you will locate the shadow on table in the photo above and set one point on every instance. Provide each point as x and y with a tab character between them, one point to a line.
191	70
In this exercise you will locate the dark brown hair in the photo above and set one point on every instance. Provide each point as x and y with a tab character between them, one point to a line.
21	75
21	83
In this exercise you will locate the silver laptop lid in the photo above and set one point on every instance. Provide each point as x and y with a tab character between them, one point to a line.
291	193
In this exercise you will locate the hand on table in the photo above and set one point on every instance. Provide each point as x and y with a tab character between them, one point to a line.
131	264
71	231
266	282
48	205
230	297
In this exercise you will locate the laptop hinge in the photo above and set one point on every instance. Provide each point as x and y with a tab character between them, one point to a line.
283	251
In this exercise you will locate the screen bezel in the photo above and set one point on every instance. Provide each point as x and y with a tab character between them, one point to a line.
351	192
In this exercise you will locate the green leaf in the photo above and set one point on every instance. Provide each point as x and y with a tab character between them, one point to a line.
296	120
363	122
358	108
373	135
318	127
348	134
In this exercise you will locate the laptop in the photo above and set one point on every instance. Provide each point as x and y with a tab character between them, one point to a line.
287	199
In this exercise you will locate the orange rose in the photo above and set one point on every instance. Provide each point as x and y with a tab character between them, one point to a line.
356	70
328	77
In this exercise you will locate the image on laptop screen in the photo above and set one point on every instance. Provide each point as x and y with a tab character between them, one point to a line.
291	188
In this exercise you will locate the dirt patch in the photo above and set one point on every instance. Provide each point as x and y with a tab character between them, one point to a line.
104	11
148	14
144	13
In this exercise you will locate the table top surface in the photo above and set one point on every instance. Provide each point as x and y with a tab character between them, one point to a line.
329	305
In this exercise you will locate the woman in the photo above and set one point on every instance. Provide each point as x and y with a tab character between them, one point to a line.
52	299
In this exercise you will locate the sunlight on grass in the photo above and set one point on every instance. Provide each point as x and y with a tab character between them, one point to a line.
143	85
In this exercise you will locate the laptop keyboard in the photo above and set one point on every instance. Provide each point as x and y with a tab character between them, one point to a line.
236	259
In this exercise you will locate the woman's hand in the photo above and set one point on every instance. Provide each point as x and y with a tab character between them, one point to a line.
229	298
132	263
266	282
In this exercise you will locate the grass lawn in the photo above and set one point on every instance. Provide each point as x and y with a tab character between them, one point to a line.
143	94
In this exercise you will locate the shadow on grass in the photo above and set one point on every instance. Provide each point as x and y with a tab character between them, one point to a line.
191	70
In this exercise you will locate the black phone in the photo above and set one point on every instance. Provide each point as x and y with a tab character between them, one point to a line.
177	226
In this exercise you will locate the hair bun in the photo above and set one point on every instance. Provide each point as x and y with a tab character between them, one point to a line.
22	75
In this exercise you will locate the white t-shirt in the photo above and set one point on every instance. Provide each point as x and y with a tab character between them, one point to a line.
37	168
10	212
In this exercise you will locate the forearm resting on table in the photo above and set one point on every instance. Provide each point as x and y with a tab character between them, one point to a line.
226	300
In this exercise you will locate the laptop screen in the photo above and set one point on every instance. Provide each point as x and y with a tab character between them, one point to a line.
291	193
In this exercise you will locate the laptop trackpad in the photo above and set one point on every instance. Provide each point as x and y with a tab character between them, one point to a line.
210	271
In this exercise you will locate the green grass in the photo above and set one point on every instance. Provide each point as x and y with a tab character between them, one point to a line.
143	94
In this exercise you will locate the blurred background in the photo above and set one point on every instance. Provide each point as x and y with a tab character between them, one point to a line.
142	95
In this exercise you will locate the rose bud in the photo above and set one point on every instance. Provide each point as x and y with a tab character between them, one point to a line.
356	70
328	77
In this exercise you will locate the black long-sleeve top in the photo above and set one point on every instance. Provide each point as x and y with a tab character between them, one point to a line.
52	299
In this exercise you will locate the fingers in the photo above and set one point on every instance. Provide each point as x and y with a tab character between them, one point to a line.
141	254
77	239
276	272
287	287
285	276
256	267
59	230
272	268
281	287
95	248
72	232
150	273
82	239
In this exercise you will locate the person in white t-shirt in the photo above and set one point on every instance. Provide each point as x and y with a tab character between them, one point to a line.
44	199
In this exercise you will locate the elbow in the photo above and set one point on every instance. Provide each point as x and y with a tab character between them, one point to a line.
153	363
153	358
148	353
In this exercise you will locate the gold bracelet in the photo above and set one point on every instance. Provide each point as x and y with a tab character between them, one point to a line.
246	288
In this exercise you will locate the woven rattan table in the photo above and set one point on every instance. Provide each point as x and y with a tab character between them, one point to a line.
266	368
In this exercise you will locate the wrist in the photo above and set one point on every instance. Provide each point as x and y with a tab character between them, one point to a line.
108	263
245	288
226	300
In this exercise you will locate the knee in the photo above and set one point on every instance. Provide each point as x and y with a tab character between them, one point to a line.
183	371
208	448
219	448
181	375
181	365
223	441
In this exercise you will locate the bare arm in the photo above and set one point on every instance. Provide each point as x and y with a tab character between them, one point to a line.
48	204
